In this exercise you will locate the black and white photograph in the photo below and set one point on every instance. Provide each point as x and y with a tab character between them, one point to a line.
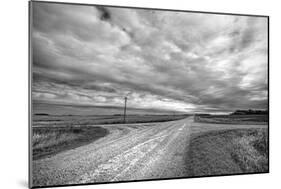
122	94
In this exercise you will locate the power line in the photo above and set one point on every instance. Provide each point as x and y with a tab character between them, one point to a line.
125	107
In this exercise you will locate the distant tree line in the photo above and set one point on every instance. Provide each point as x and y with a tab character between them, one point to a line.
203	114
41	114
249	112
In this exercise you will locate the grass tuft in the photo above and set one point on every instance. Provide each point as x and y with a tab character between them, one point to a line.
250	151
228	152
47	141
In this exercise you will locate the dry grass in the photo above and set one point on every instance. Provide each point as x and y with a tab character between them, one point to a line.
250	151
73	120
232	119
48	141
228	152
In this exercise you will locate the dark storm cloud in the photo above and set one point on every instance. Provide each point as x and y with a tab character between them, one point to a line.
169	60
104	13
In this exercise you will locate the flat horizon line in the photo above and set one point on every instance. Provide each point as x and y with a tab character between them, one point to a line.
103	106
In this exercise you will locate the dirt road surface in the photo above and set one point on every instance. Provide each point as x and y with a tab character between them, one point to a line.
128	152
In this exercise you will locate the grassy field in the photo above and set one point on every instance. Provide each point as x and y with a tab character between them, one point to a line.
48	141
56	133
232	119
73	120
41	107
228	152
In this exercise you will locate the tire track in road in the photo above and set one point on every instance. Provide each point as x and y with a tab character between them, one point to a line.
169	159
157	146
120	163
125	165
111	169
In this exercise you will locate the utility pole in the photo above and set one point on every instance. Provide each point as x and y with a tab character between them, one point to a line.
125	107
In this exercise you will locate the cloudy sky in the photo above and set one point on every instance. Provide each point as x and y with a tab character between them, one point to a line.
179	61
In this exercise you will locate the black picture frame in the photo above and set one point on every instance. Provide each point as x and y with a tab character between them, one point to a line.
30	79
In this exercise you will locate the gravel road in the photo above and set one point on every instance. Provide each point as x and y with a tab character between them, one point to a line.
128	152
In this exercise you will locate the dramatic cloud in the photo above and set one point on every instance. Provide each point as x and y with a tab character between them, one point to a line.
178	61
